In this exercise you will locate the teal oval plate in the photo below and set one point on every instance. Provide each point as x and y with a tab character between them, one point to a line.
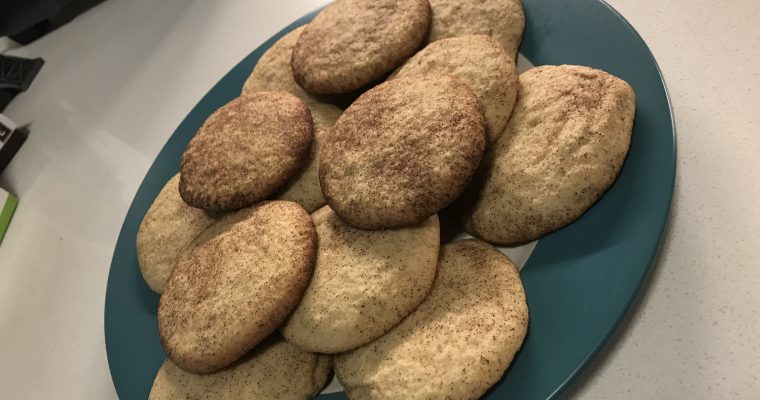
580	281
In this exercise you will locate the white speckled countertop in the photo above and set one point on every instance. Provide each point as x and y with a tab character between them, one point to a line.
119	79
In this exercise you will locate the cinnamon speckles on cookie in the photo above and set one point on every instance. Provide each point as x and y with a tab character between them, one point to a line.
458	342
245	151
169	226
274	370
304	188
563	147
236	284
257	298
354	42
480	62
502	19
272	71
402	151
364	283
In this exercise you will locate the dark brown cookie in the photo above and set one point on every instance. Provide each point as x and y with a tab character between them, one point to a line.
245	151
402	151
354	42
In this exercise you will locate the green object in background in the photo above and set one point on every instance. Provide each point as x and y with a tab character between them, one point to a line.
8	203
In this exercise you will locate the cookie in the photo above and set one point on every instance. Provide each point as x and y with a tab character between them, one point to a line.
480	62
304	187
402	151
562	149
457	344
502	19
236	284
245	151
169	226
352	43
272	71
364	283
273	370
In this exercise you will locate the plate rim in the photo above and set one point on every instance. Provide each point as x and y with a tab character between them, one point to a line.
653	261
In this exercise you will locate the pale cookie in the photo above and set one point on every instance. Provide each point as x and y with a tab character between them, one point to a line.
457	344
272	71
304	187
364	283
236	284
480	62
502	19
402	151
245	151
351	43
273	370
169	226
562	149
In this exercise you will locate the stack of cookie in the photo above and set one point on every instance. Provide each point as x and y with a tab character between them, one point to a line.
299	237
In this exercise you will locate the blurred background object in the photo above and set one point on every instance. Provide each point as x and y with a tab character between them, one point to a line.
25	21
11	139
16	74
8	204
